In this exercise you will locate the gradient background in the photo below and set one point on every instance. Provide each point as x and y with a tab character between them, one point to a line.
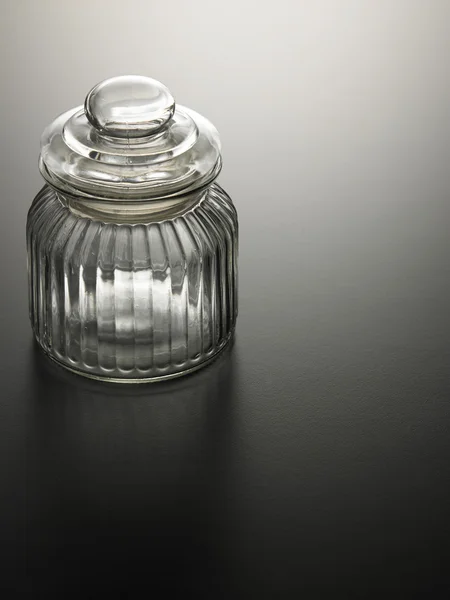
313	460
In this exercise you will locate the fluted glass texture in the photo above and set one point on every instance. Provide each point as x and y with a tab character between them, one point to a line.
134	301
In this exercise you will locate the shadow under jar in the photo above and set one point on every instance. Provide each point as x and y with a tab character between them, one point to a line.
132	246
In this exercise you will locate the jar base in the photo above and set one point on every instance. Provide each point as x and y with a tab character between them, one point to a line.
140	380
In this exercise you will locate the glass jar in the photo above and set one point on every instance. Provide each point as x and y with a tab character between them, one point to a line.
132	245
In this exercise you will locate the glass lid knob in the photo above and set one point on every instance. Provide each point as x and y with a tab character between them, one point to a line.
130	106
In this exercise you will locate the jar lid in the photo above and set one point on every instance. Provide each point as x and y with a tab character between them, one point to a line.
130	142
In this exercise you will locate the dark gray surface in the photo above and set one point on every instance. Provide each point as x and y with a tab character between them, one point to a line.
312	460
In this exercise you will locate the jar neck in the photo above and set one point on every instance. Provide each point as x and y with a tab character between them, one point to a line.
142	211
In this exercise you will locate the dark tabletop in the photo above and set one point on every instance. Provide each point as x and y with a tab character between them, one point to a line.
312	459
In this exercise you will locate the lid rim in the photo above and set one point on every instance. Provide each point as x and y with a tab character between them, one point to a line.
53	180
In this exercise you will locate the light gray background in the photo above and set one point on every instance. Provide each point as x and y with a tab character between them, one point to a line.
315	456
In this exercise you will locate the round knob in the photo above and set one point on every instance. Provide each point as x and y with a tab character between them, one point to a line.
130	106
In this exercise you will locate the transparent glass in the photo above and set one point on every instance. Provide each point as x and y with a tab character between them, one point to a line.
133	301
132	247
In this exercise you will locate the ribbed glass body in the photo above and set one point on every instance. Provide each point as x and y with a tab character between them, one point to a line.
133	301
